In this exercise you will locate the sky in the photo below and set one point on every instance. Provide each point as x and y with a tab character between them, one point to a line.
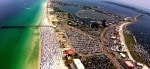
139	3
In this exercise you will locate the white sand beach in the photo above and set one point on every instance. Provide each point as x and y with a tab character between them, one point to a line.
124	44
123	40
50	56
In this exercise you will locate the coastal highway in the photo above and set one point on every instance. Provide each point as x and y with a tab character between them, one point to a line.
105	50
102	39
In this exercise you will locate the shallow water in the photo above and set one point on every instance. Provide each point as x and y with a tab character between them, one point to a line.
15	43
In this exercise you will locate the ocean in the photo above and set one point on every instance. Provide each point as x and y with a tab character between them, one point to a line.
19	46
139	29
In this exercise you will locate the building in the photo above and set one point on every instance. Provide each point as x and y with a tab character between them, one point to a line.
113	37
94	24
78	64
129	64
70	51
122	55
104	22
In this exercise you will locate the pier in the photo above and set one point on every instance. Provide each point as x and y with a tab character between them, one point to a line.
24	26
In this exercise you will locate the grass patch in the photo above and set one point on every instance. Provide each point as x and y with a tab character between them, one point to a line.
130	42
56	9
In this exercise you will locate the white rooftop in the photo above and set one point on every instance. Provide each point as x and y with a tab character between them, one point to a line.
78	64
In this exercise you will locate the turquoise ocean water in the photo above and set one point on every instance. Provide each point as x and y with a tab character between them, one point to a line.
15	43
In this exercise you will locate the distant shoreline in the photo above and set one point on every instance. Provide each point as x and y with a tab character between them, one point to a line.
129	7
123	41
84	14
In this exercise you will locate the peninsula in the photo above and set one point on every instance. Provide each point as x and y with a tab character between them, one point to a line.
102	42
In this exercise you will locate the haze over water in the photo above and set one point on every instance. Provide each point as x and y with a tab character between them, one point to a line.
15	43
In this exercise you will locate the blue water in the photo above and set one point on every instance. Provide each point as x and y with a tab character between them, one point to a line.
13	8
139	29
16	43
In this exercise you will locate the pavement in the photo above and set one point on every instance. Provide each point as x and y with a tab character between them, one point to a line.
106	51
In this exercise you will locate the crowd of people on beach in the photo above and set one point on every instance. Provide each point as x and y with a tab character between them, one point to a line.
50	53
83	44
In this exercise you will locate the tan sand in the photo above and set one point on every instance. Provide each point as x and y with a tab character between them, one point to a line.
47	20
124	44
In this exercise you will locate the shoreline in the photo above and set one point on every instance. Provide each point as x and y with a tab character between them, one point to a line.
30	61
42	20
123	42
122	39
51	58
85	15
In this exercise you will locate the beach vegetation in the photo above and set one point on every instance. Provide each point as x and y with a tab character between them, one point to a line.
130	43
56	9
